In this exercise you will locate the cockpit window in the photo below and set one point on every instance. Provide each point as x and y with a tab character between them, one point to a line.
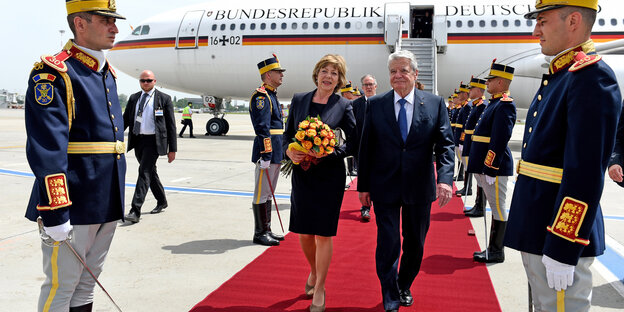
145	30
137	31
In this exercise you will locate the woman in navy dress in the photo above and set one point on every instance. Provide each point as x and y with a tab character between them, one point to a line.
317	192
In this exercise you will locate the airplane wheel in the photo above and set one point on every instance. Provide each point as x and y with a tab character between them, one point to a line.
226	126
215	126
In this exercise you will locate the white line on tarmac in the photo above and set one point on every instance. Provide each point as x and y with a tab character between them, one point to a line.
180	180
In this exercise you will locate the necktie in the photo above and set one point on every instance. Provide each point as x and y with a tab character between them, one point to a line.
137	124
403	119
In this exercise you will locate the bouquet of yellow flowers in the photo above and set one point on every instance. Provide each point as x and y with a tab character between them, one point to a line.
313	135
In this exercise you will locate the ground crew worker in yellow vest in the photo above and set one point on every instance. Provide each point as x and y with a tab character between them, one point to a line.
187	115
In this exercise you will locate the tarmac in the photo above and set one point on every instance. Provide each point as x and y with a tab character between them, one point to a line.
172	260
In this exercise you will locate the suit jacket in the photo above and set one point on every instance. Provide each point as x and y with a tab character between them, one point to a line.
337	114
165	127
397	172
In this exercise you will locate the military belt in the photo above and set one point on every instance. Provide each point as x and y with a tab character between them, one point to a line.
453	125
540	172
469	131
117	147
459	126
482	139
276	131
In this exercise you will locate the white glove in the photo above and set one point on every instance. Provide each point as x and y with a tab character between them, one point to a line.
559	275
490	180
264	164
59	232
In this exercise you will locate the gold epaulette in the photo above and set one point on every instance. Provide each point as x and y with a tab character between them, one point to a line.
262	90
56	61
506	98
584	61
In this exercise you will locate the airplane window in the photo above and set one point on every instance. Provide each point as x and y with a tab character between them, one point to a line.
613	21
263	26
380	25
506	23
369	25
529	22
137	31
494	23
458	24
470	23
273	26
517	23
601	22
222	27
325	25
214	27
232	26
145	30
347	25
304	25
252	26
448	24
358	25
294	26
315	25
337	25
242	26
284	26
481	23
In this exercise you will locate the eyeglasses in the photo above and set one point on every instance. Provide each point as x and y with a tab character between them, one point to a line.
368	85
146	80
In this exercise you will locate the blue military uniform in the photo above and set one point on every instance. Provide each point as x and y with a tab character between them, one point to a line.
568	138
74	147
267	119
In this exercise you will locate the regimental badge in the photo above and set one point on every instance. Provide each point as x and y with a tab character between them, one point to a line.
44	93
56	187
260	102
463	135
489	159
112	5
569	220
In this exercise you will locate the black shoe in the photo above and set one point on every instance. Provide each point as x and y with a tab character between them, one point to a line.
265	239
132	217
474	213
276	236
462	192
180	136
83	308
405	298
158	208
365	214
493	257
192	136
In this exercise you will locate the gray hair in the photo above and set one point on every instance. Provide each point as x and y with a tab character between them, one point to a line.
368	76
404	54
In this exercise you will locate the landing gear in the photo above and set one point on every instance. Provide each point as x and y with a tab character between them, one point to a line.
217	126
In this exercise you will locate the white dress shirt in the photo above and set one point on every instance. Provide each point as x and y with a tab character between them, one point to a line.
147	124
409	107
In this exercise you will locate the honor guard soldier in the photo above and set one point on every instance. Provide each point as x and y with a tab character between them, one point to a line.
462	115
490	156
453	116
348	92
477	86
266	116
75	148
555	218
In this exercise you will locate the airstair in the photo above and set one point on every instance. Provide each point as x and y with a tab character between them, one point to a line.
425	51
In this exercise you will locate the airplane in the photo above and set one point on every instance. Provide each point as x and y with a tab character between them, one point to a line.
212	48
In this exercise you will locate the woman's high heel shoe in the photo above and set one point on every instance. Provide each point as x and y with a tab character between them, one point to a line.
321	308
309	290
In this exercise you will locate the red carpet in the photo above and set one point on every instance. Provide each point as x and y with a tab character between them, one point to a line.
449	279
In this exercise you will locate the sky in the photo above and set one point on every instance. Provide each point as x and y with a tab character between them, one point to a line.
31	28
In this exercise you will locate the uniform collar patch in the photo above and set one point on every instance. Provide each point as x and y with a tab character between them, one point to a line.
267	87
84	58
566	58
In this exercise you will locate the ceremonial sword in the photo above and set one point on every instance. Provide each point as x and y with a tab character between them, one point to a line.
50	242
266	172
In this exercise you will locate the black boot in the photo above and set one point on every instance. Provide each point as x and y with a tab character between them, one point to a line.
467	185
273	235
261	235
479	207
460	175
496	253
83	308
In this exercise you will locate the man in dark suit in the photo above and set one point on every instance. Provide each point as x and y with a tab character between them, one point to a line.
369	85
149	115
395	171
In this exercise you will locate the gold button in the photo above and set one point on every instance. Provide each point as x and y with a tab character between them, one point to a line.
524	145
116	129
109	103
535	114
112	116
107	91
545	82
530	129
118	156
539	97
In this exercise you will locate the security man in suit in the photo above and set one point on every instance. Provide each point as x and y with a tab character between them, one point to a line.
555	218
477	86
491	159
267	154
149	115
462	115
402	127
75	149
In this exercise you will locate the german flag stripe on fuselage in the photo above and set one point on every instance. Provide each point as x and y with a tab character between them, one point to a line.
510	37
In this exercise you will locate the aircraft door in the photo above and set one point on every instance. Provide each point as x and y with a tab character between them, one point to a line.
396	17
188	32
